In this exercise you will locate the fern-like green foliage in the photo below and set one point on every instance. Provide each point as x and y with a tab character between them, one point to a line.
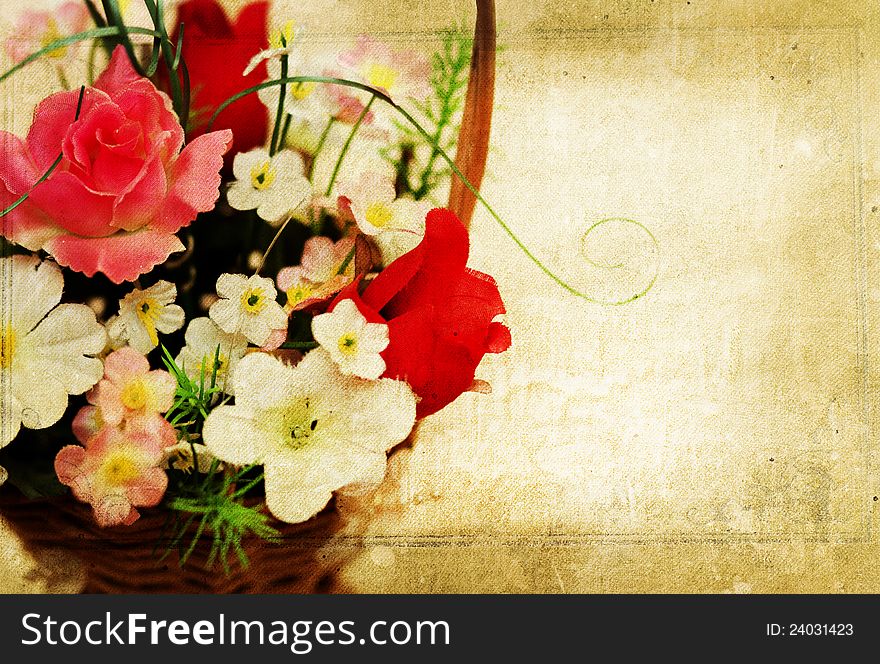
418	175
193	398
215	504
213	501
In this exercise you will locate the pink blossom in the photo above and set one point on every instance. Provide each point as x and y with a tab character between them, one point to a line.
88	423
117	471
398	73
37	29
123	186
129	390
317	277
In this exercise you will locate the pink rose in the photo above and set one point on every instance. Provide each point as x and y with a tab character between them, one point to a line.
123	187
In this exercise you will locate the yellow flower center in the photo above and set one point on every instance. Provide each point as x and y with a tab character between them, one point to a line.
262	176
284	36
348	344
379	214
298	424
300	91
119	469
148	311
7	347
253	300
52	34
298	293
135	395
381	76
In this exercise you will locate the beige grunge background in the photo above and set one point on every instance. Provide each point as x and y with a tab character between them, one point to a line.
718	434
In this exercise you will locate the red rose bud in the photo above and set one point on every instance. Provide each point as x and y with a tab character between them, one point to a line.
440	314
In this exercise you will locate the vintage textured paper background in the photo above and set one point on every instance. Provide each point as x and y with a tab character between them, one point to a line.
717	435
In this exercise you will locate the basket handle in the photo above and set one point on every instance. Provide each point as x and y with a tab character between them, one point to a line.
476	120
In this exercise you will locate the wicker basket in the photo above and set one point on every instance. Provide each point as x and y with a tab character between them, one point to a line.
124	559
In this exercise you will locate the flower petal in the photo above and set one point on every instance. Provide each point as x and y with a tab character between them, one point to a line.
42	396
121	256
74	207
262	381
119	73
34	287
194	181
439	258
61	341
124	365
232	434
292	495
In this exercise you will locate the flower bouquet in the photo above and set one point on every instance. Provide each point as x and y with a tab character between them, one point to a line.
214	317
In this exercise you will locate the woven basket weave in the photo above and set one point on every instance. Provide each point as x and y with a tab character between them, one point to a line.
124	559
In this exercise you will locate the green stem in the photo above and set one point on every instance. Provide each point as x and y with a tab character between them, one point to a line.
279	114
93	52
321	140
173	60
445	117
354	129
114	18
282	141
348	258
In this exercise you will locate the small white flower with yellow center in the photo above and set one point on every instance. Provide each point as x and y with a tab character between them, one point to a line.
369	199
281	42
145	313
352	342
408	229
309	104
398	73
396	224
45	347
247	305
315	430
205	343
274	186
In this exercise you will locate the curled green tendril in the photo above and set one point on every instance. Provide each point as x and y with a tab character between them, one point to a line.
617	266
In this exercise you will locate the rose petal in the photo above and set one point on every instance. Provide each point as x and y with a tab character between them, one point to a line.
195	181
122	256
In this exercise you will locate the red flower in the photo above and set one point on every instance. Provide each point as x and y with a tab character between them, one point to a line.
440	314
216	53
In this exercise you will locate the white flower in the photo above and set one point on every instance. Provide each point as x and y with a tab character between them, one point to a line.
44	346
397	225
281	42
352	342
408	229
203	339
145	313
307	103
3	476
314	429
247	305
275	186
